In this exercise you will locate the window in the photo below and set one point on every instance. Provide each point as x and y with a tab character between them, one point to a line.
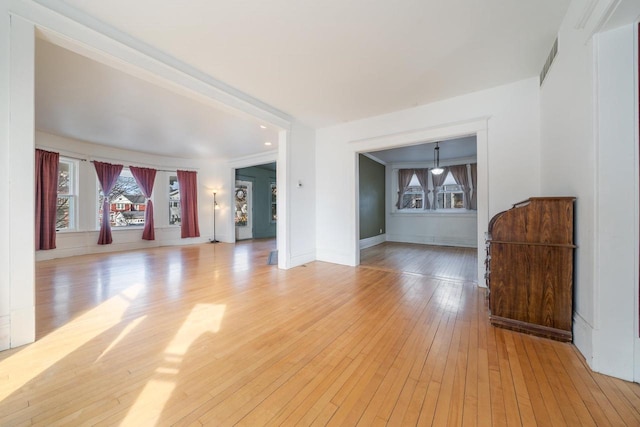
174	201
450	195
67	195
274	205
413	197
123	198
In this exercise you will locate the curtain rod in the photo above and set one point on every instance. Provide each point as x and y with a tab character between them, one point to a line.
157	170
74	156
62	153
141	164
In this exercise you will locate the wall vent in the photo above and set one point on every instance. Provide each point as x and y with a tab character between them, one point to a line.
550	58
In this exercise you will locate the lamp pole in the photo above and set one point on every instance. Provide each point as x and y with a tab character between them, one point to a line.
213	218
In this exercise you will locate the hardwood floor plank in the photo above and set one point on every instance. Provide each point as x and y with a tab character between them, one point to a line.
555	413
508	384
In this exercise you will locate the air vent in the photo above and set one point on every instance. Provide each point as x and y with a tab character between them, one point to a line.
550	58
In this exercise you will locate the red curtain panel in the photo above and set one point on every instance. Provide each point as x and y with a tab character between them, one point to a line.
145	178
46	198
107	176
188	181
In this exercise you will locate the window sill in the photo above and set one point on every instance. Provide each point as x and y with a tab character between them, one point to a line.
67	231
439	213
97	230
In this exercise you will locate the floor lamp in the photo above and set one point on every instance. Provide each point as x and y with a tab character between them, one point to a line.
213	218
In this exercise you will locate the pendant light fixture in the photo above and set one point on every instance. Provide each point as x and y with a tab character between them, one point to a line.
436	155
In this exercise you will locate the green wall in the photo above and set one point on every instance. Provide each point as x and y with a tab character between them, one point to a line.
372	198
261	179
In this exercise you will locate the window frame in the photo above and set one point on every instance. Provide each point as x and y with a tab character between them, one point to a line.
99	205
171	201
72	195
449	191
422	193
448	185
392	198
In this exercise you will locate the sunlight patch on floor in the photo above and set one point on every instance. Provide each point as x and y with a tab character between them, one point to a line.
130	327
203	319
54	347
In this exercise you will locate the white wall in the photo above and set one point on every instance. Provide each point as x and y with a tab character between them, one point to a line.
445	229
301	194
568	166
5	247
17	298
616	281
511	164
211	175
589	150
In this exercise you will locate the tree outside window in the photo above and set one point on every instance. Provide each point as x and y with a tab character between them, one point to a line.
66	200
126	202
174	201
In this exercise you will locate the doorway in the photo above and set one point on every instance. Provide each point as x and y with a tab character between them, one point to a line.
433	211
477	127
255	202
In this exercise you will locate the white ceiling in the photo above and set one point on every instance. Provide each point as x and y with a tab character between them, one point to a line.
84	99
322	62
458	148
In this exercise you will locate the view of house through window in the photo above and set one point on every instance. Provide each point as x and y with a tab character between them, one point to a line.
450	195
126	202
413	197
174	200
66	203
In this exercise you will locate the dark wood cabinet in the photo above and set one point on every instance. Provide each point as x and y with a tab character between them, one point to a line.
530	267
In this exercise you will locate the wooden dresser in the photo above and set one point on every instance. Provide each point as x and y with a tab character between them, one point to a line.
530	267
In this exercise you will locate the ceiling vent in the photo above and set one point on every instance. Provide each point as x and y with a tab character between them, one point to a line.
549	61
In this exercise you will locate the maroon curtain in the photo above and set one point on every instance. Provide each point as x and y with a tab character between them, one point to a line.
145	178
46	198
107	176
188	181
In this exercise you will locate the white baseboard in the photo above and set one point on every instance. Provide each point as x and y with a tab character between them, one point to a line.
434	240
583	338
329	255
372	241
23	326
297	260
5	332
84	243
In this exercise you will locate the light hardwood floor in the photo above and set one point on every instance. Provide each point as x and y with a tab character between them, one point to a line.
210	334
443	262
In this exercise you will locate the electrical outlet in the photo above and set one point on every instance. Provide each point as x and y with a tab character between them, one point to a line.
381	231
